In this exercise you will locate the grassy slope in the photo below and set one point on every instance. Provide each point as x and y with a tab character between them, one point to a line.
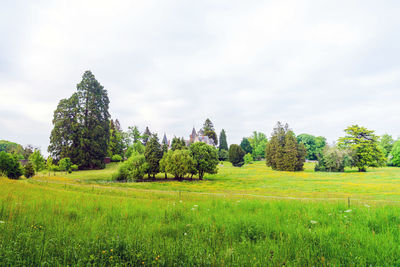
72	220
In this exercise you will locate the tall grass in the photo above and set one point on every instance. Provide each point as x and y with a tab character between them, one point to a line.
56	224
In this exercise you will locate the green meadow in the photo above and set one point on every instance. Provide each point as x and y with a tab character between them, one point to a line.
240	216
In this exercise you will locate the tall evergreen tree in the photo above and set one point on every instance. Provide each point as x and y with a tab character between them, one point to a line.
81	125
208	130
65	136
153	154
146	135
116	144
246	146
223	144
283	152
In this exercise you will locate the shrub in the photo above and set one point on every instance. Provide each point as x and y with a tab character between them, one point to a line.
74	167
180	163
223	155
38	161
236	154
28	170
395	154
132	169
248	158
65	165
116	158
333	159
10	166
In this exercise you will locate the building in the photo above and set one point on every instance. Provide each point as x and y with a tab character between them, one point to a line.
200	137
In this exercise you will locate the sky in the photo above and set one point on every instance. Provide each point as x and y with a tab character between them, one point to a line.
320	66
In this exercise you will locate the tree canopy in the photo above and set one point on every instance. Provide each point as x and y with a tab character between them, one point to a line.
223	144
208	130
364	144
314	145
206	158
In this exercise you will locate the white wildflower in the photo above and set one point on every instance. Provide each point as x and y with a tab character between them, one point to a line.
313	222
2	222
366	205
185	233
195	206
347	211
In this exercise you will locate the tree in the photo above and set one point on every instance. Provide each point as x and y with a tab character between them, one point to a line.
10	166
81	125
116	143
65	165
11	147
132	169
153	154
65	136
49	165
206	158
133	135
164	162
236	154
314	145
146	136
29	170
223	155
364	143
180	163
208	130
258	142
333	159
246	146
178	143
38	161
386	143
248	158
28	150
283	152
223	145
395	154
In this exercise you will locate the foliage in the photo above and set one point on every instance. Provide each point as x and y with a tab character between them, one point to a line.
223	155
153	154
208	130
223	144
333	159
395	154
386	143
29	170
116	145
38	161
179	163
178	143
364	144
28	150
206	158
314	145
9	165
133	168
74	167
258	142
65	164
164	162
136	147
82	125
116	158
283	152
146	136
11	147
246	146
236	155
133	135
248	158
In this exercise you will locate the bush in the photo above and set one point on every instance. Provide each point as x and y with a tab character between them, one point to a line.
28	170
10	166
179	163
248	158
395	154
116	158
65	165
74	168
132	169
223	155
236	154
333	159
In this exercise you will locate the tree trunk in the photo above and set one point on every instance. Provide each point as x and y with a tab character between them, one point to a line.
165	175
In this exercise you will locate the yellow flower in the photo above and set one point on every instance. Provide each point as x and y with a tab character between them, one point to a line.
104	251
111	250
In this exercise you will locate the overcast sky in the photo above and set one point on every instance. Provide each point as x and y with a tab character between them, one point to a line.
317	65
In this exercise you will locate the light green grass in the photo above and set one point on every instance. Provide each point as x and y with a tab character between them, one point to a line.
83	219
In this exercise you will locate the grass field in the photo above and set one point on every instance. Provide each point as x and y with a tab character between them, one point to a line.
240	216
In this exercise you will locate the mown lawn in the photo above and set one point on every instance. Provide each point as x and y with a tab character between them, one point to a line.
82	218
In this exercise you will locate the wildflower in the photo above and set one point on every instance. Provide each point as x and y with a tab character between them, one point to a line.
366	205
2	222
103	251
185	233
195	206
111	257
347	211
313	222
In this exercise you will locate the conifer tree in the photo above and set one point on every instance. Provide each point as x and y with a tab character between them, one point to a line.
146	135
153	154
246	146
222	141
208	130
